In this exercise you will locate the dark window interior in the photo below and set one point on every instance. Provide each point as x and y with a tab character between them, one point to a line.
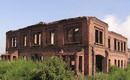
124	46
109	62
80	63
109	43
101	37
118	63
115	44
115	62
98	36
121	46
72	35
118	46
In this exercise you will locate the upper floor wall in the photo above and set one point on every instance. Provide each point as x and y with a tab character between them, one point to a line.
99	36
81	31
98	32
117	42
60	33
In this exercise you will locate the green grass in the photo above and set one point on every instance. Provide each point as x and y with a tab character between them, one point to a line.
115	73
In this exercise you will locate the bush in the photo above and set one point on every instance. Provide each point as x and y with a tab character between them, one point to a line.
116	73
98	76
4	68
20	70
55	69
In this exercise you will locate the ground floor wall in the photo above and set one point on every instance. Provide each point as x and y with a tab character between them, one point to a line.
98	59
9	57
118	59
86	61
75	60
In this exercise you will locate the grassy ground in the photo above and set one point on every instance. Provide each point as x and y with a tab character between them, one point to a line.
114	74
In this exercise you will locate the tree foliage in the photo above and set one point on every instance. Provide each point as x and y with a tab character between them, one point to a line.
53	68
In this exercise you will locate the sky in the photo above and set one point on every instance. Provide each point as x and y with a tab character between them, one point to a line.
15	14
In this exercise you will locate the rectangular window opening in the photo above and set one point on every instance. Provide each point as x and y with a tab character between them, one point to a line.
96	36
37	39
118	46
13	42
109	43
72	35
52	38
115	44
124	46
100	37
115	62
24	40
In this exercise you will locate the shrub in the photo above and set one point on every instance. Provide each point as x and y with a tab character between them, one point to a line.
21	70
55	69
4	68
98	76
116	73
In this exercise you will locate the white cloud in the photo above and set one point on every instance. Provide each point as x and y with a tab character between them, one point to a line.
115	25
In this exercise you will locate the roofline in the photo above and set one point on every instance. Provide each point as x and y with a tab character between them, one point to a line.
63	20
54	22
112	32
96	19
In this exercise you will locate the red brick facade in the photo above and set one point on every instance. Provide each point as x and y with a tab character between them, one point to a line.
84	43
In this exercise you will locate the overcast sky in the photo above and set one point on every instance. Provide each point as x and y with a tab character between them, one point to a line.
15	14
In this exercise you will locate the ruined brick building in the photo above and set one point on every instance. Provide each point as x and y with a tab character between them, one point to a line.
84	43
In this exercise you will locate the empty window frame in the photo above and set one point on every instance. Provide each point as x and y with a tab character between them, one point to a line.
115	44
24	40
13	42
37	39
119	63
121	47
109	43
124	46
109	62
118	46
115	62
76	35
72	35
98	36
52	38
101	37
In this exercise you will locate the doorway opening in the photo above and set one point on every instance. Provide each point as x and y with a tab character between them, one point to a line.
80	63
99	63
